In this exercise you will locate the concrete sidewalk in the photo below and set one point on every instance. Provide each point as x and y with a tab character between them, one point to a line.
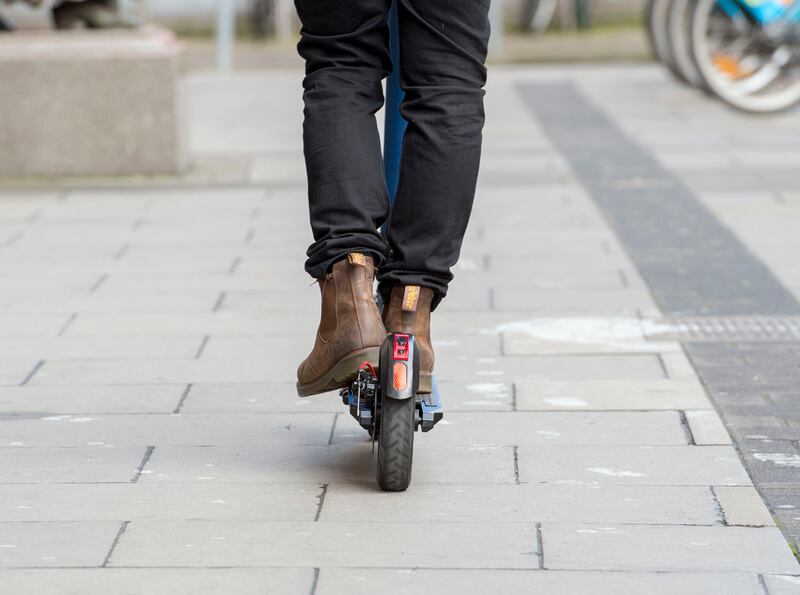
151	440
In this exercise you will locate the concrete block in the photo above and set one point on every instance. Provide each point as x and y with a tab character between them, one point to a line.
279	544
707	427
783	584
665	548
163	581
339	463
59	544
88	464
94	399
626	465
742	505
90	104
155	501
550	428
367	581
170	430
598	395
458	503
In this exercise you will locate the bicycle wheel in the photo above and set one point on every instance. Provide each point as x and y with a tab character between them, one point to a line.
740	63
678	37
395	444
656	25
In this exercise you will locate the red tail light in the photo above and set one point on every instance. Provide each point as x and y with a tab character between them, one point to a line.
400	348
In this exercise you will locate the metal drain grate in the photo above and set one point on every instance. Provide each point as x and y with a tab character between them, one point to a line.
729	328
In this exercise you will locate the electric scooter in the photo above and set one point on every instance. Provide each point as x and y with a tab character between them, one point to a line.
385	402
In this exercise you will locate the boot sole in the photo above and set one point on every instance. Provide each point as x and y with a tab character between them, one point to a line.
342	373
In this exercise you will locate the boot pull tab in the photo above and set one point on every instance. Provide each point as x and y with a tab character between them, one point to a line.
410	298
357	259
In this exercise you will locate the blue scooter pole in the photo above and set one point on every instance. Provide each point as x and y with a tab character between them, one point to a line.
394	124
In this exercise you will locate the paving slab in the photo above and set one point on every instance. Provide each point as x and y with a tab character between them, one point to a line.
350	463
553	367
451	503
281	544
742	505
160	501
632	465
610	395
707	427
61	544
169	430
551	428
160	581
106	348
88	464
92	398
782	584
632	547
365	581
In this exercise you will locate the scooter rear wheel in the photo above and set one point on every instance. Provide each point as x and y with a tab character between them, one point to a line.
395	444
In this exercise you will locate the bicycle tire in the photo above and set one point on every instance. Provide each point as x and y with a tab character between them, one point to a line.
732	93
679	45
656	26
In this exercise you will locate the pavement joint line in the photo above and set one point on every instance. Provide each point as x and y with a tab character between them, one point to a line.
321	501
314	581
119	254
145	459
14	238
687	429
762	583
202	347
32	373
718	506
137	225
491	298
67	324
623	278
97	284
220	299
185	394
235	265
35	216
251	233
540	546
114	543
333	427
663	364
515	454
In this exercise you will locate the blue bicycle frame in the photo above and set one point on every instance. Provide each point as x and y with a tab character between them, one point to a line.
763	12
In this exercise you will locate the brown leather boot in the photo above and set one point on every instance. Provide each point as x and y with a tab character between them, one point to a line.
409	311
350	329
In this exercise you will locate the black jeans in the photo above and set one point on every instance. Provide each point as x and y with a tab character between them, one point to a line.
442	52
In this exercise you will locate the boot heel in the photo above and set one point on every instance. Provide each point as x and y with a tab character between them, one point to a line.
425	382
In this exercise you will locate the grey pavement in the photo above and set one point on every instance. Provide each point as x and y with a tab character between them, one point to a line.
151	440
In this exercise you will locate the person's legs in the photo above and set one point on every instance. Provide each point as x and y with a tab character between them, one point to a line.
443	45
345	45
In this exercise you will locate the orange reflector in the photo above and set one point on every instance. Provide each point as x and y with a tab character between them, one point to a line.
400	376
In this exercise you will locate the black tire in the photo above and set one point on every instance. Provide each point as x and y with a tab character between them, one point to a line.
92	14
395	444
